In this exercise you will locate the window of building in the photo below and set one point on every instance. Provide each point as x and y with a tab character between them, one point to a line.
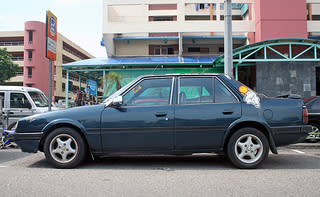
162	18
30	32
30	55
63	87
29	72
163	50
198	50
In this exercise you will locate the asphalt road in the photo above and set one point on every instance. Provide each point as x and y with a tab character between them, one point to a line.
294	172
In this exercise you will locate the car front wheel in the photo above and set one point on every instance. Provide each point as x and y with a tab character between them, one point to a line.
247	148
64	148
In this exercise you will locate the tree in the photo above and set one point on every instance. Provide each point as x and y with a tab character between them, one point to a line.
7	68
113	83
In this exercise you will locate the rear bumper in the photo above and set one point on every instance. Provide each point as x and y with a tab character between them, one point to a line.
290	135
28	142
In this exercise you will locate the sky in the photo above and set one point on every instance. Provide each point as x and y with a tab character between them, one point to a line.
78	20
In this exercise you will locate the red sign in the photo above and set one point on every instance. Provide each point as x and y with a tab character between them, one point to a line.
51	36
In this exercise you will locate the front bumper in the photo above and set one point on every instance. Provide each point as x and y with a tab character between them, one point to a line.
28	142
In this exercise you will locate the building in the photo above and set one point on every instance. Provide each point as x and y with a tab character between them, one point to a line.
276	47
27	48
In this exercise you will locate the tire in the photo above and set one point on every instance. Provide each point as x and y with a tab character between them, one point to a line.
247	148
315	128
65	148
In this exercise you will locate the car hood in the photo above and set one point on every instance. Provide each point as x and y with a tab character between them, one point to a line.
82	115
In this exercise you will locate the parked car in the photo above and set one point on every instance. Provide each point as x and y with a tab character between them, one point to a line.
169	114
19	101
313	106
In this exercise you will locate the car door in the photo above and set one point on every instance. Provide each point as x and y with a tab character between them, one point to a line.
144	122
204	110
19	106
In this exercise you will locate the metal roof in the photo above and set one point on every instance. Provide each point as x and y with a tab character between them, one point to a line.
107	63
93	68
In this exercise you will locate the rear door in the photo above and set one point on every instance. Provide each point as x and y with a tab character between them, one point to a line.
205	109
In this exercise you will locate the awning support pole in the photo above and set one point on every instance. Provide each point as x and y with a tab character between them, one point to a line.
67	90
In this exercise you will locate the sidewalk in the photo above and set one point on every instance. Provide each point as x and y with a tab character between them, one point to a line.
305	145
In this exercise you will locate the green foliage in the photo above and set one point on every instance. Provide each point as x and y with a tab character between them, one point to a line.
7	68
113	82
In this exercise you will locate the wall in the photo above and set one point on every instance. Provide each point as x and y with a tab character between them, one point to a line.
39	63
280	78
276	19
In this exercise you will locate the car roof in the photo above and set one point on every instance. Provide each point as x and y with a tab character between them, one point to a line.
180	74
18	88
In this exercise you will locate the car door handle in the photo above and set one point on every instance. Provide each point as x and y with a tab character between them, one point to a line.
227	112
161	114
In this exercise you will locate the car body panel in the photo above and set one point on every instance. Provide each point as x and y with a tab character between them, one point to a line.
173	127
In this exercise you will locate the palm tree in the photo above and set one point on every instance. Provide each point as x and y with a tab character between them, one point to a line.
111	79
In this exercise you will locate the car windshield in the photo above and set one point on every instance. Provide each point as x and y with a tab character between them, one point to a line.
39	99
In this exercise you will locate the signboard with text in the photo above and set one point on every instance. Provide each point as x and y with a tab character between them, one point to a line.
51	36
92	86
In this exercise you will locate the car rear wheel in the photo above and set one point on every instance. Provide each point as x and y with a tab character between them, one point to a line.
65	148
247	148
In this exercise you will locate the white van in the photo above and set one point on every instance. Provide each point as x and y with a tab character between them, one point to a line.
19	102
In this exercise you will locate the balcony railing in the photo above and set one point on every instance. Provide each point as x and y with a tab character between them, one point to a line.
17	58
11	43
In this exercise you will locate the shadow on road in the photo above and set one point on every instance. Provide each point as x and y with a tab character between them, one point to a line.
198	162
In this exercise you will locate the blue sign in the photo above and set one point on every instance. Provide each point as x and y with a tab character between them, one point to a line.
53	26
92	85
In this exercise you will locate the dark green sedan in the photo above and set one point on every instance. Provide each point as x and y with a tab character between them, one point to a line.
169	114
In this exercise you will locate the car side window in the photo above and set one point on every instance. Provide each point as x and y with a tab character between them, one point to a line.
149	92
222	94
194	90
19	100
2	96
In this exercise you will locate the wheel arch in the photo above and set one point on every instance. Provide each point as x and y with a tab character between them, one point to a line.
253	124
62	123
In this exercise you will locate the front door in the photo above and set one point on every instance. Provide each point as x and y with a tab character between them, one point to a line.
204	111
19	107
144	122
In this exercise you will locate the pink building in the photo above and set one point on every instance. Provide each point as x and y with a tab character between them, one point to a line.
36	65
28	50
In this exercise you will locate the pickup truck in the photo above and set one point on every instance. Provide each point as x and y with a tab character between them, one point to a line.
175	114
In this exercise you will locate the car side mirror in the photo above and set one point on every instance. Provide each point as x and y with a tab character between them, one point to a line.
117	102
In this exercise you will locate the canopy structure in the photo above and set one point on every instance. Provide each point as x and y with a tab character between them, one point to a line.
279	50
130	67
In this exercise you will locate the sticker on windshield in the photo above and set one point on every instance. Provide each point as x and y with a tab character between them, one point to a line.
136	89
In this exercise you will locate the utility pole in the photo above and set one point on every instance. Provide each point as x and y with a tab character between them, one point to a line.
228	62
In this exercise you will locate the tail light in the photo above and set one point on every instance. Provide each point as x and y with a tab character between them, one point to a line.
305	115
